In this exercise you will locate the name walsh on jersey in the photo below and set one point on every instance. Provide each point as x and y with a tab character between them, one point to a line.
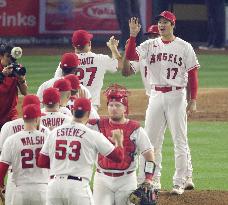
31	141
166	57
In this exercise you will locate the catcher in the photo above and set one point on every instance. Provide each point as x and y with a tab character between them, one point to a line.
114	182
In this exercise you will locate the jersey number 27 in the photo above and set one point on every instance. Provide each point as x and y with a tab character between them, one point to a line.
81	74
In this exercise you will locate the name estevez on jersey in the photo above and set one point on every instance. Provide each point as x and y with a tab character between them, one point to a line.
74	132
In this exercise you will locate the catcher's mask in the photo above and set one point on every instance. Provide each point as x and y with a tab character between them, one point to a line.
117	93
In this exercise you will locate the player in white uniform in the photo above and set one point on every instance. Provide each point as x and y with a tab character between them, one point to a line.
132	67
10	128
21	150
53	117
68	65
64	87
75	84
71	150
113	182
172	64
93	66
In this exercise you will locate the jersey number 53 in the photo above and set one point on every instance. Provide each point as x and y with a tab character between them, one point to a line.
62	150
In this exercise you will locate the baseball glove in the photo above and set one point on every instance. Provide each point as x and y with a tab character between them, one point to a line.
2	196
143	195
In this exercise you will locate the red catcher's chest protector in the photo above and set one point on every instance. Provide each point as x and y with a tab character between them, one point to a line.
129	145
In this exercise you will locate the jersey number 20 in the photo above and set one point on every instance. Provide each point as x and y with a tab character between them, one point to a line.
61	150
28	156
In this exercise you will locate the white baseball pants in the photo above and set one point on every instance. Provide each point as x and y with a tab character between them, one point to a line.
169	109
30	194
109	190
63	191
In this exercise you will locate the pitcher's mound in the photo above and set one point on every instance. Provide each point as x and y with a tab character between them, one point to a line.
194	198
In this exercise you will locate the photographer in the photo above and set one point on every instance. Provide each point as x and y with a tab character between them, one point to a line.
12	77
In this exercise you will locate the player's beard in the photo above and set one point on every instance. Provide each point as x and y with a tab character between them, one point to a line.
117	118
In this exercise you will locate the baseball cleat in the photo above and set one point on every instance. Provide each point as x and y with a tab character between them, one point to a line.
189	185
177	190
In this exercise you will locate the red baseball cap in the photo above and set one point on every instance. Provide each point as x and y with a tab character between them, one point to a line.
82	104
62	85
31	111
74	80
167	15
30	99
51	96
69	60
81	38
152	30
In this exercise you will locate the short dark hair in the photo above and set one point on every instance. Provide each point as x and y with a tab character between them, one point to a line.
79	113
5	48
68	70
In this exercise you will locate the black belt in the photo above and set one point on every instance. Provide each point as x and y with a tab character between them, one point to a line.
68	177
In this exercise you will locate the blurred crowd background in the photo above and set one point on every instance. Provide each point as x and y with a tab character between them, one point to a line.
52	22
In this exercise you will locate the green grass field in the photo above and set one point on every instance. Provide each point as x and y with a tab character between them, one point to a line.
208	140
213	72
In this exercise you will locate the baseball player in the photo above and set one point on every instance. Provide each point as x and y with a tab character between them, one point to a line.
93	66
68	65
70	151
75	84
53	117
172	64
113	182
64	87
21	151
10	128
130	68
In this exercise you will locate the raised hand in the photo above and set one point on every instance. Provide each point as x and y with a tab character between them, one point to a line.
117	137
134	26
112	43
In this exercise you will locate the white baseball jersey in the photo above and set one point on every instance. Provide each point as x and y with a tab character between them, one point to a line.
91	72
142	67
168	64
52	120
13	127
140	143
65	111
72	149
93	112
50	83
21	150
